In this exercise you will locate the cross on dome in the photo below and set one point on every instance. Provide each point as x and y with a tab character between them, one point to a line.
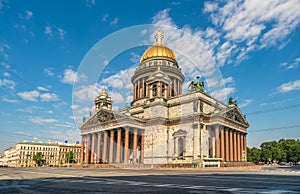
158	37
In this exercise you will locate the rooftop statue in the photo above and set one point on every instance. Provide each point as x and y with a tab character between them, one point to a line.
231	101
196	85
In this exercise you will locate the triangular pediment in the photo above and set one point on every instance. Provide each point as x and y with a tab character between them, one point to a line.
159	76
235	114
180	132
91	121
104	117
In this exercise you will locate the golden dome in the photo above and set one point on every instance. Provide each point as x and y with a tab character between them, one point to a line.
158	49
104	93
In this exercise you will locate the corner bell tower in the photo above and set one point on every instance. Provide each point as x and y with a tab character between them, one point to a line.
103	101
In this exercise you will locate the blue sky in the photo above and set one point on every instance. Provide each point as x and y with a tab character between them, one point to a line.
251	47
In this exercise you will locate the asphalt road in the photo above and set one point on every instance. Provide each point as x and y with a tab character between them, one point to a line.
68	180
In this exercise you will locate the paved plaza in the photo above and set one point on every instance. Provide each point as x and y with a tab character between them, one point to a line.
70	180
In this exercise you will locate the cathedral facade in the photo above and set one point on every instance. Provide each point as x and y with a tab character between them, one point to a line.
163	125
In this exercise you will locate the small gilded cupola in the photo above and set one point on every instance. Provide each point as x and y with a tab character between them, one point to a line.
103	101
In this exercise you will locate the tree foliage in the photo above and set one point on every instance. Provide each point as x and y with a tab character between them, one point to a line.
38	158
285	150
70	156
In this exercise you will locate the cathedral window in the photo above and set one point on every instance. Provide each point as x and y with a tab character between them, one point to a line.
163	90
180	146
145	88
179	143
154	90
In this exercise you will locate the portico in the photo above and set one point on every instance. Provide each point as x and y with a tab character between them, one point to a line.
118	145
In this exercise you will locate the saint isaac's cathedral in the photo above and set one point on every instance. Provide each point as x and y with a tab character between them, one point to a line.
163	125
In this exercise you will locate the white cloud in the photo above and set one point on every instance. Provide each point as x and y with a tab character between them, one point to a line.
80	113
7	83
49	71
117	97
228	80
34	95
71	77
27	15
189	44
48	31
3	51
289	86
120	79
30	109
105	17
114	22
38	120
30	95
51	30
254	24
5	99
40	88
67	135
6	74
135	58
62	33
143	32
47	97
90	3
129	99
245	103
292	65
222	94
87	93
210	7
74	106
162	18
65	125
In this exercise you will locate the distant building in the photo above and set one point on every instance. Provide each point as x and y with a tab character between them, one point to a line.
54	154
3	160
163	125
65	148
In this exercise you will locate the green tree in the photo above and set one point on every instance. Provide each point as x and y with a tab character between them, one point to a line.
266	151
70	156
38	158
254	154
295	153
288	149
